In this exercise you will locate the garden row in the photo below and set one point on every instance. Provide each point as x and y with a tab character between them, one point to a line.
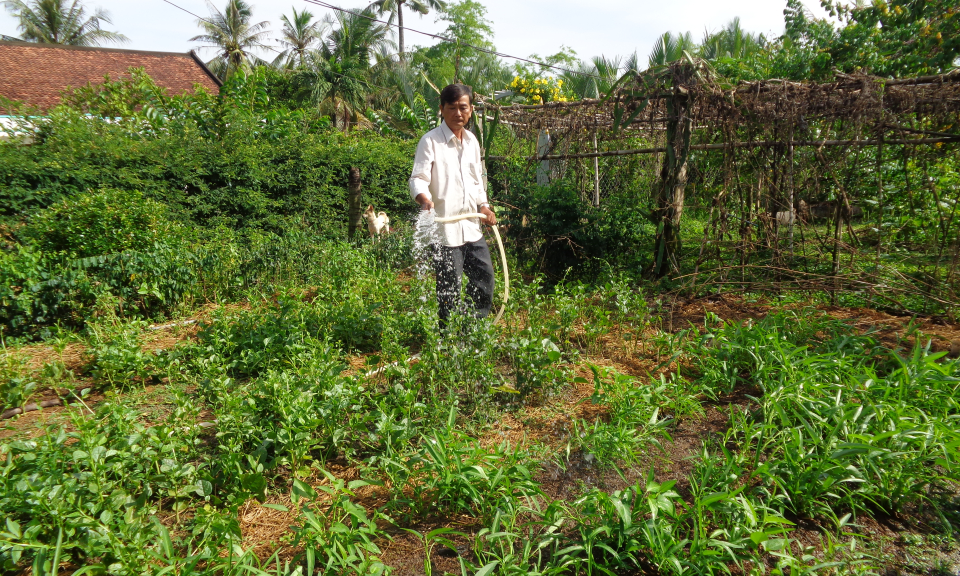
834	428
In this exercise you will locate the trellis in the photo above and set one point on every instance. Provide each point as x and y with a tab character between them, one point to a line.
757	150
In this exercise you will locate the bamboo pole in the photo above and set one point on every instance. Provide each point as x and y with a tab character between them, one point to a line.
790	189
753	87
596	172
759	144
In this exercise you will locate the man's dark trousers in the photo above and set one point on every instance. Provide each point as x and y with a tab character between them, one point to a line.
450	264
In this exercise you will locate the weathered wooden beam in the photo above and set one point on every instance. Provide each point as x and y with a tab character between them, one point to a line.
757	144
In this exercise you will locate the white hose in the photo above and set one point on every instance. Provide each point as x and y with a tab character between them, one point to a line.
503	256
506	280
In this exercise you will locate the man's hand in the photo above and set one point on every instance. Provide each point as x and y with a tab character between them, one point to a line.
424	202
491	218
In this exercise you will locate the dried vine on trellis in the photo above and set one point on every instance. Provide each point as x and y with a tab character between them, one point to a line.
761	155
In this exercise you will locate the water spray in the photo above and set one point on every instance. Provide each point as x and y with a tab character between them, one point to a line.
503	256
506	278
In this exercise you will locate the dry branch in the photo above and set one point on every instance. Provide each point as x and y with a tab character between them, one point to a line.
725	146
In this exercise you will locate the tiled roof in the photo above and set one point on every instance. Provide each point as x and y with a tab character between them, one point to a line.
37	73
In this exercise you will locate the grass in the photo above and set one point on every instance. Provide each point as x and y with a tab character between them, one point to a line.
550	444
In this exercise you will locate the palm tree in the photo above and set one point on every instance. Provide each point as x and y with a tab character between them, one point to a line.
357	35
299	34
336	85
395	8
731	42
669	48
62	22
233	35
335	77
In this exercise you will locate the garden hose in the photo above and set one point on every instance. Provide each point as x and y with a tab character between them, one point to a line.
506	280
503	256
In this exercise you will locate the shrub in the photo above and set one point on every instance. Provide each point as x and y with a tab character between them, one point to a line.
102	222
235	179
557	230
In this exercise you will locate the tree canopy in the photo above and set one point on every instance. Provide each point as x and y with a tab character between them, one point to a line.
233	35
62	22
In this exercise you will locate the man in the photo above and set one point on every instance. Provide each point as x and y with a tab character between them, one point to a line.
448	177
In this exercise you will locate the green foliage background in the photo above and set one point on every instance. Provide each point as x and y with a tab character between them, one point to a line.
238	181
129	196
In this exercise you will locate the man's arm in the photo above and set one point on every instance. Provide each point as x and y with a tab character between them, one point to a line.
422	173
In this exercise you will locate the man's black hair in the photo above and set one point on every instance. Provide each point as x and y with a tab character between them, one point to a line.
453	93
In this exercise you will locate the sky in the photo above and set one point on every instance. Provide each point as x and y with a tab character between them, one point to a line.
522	27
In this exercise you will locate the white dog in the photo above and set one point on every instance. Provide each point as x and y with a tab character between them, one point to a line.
377	224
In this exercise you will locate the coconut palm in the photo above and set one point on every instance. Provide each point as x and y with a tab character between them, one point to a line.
670	48
595	79
233	35
300	33
62	22
395	8
356	34
336	77
731	42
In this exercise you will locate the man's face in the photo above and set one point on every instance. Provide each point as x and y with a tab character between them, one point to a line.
457	114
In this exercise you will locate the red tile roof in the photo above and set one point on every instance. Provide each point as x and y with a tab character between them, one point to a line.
37	73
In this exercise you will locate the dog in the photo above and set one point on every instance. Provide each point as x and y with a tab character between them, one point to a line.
377	224
786	218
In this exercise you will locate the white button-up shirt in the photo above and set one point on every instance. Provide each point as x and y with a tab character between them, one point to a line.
450	173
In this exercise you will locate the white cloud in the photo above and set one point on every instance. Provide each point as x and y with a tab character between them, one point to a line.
522	27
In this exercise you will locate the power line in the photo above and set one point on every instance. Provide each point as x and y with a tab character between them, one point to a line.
437	36
188	12
367	83
428	34
214	24
445	39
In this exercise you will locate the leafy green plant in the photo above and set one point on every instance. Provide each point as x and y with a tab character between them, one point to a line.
117	357
16	387
452	473
631	313
337	535
508	547
459	365
93	490
534	363
632	423
432	539
566	301
597	324
610	532
840	425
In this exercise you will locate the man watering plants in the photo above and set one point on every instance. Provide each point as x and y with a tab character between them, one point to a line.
448	178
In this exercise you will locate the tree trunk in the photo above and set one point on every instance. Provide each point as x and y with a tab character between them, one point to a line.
354	203
346	117
837	219
673	183
400	26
